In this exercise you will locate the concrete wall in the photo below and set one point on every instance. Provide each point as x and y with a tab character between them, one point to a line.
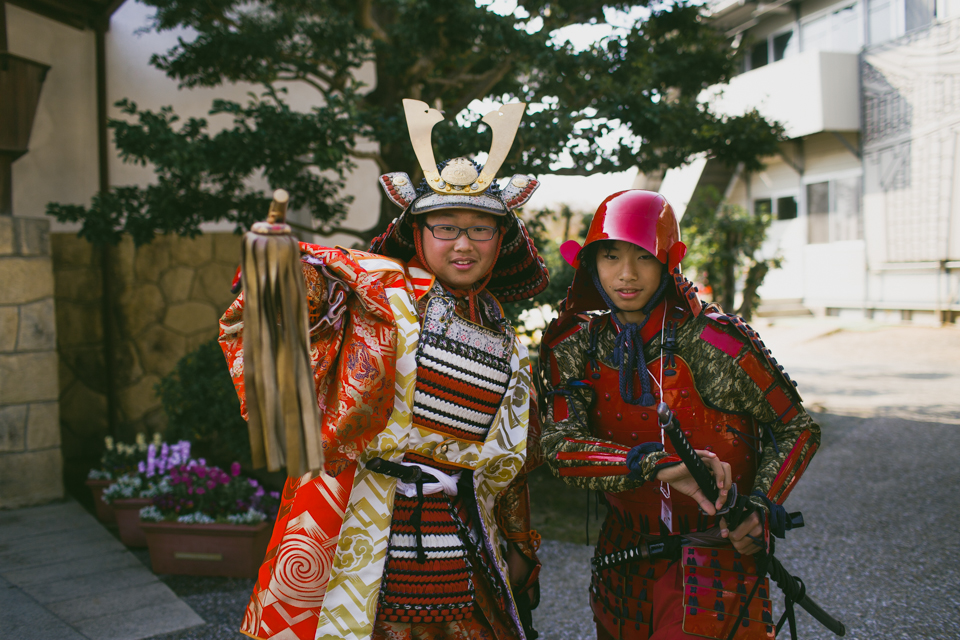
62	163
30	461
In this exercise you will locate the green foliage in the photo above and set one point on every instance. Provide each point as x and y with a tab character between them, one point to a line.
201	404
542	227
449	53
724	242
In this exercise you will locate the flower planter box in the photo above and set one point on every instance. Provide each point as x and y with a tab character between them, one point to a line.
227	550
104	511
127	511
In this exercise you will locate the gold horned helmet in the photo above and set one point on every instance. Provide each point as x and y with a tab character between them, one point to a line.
459	182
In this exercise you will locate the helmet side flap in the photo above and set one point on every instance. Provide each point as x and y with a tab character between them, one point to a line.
398	188
518	190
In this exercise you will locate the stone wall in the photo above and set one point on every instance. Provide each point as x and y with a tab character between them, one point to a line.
30	459
165	298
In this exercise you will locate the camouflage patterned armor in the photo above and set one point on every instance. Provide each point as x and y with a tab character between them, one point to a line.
730	397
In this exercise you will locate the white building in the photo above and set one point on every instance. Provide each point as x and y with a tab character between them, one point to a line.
866	192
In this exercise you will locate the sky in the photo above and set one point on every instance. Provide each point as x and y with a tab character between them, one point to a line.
580	193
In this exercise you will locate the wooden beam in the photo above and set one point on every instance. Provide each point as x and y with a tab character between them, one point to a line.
80	14
3	26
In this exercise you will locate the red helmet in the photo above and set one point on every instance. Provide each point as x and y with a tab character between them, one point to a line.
643	218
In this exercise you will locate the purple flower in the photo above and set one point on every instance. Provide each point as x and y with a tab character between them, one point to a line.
211	484
142	467
200	491
235	469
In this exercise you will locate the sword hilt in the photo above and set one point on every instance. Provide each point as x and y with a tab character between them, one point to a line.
698	469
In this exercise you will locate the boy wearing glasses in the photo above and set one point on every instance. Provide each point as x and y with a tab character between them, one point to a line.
419	529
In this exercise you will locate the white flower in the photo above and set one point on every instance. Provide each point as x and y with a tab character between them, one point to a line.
196	518
151	514
252	516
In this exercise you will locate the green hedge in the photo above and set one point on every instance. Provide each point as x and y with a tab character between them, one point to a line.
202	406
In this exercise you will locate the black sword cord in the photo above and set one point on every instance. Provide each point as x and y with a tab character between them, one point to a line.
793	588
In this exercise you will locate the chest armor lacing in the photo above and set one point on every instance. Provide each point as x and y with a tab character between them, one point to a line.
463	370
733	437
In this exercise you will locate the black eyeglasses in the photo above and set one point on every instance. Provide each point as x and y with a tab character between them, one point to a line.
480	233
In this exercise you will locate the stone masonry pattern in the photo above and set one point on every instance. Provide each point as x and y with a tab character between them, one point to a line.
30	457
165	298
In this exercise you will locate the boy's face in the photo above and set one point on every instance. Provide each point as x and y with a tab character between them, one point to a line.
459	263
629	275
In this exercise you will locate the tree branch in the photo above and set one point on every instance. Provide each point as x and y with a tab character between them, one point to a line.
299	77
365	15
483	86
362	236
370	155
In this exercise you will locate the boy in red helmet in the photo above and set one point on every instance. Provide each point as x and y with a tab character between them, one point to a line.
602	377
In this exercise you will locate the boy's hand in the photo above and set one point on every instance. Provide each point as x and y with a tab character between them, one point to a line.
518	565
679	478
739	537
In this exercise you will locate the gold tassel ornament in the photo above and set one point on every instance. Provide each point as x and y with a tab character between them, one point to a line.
283	418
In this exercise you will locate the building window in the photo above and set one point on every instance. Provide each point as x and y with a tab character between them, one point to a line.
920	13
833	211
759	55
764	206
781	43
772	49
880	21
837	30
784	208
818	211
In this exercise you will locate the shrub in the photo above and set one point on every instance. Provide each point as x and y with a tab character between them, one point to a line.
202	406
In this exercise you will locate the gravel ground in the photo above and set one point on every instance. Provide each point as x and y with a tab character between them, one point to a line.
880	551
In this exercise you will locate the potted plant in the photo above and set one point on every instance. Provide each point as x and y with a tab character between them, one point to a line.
135	490
207	522
118	459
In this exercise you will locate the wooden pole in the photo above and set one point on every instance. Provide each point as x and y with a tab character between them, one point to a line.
6	162
3	26
106	282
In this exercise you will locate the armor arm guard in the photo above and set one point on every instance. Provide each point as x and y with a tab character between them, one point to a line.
747	378
569	446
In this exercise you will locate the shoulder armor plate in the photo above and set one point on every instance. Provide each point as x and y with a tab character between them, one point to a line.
724	331
562	328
